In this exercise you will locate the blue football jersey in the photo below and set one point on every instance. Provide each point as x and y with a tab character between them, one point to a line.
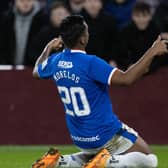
83	84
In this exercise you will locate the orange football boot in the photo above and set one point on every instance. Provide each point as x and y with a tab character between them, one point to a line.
99	161
49	160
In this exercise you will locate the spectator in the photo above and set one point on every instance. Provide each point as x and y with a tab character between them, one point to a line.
153	4
161	15
58	12
45	4
19	26
121	10
102	30
75	6
139	35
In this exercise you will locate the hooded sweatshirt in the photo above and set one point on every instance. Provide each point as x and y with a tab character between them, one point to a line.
22	27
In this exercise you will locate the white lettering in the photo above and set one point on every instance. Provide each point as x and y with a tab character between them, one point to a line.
66	75
86	139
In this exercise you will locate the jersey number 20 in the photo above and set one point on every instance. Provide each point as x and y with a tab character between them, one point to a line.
69	96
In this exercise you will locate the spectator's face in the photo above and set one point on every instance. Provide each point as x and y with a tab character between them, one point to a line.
141	20
76	5
93	7
57	15
24	6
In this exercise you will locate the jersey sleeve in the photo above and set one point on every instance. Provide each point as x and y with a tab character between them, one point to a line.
101	71
46	69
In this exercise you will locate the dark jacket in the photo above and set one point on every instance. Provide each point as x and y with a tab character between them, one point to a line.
47	34
135	42
161	16
103	36
4	5
121	12
7	37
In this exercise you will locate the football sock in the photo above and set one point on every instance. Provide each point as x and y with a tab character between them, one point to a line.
133	160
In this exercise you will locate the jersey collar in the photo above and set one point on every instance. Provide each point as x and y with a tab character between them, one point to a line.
78	51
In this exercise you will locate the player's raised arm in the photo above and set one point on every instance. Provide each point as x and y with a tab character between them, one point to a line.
141	67
55	44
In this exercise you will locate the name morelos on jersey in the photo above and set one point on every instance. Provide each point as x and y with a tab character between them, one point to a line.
67	75
83	84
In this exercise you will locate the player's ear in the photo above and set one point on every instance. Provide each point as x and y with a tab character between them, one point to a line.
82	40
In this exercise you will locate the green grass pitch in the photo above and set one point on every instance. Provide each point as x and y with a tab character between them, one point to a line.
23	156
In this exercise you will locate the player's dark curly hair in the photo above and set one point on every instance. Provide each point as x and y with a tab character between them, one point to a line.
71	29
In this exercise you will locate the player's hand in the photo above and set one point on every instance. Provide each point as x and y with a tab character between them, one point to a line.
159	47
55	44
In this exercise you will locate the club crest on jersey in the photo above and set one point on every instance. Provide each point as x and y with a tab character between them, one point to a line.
65	64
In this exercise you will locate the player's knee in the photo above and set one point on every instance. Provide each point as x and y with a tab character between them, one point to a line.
153	160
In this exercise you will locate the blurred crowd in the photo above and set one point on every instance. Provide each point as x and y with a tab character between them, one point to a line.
120	30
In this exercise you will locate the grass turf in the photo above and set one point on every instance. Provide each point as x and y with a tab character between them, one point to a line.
23	156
